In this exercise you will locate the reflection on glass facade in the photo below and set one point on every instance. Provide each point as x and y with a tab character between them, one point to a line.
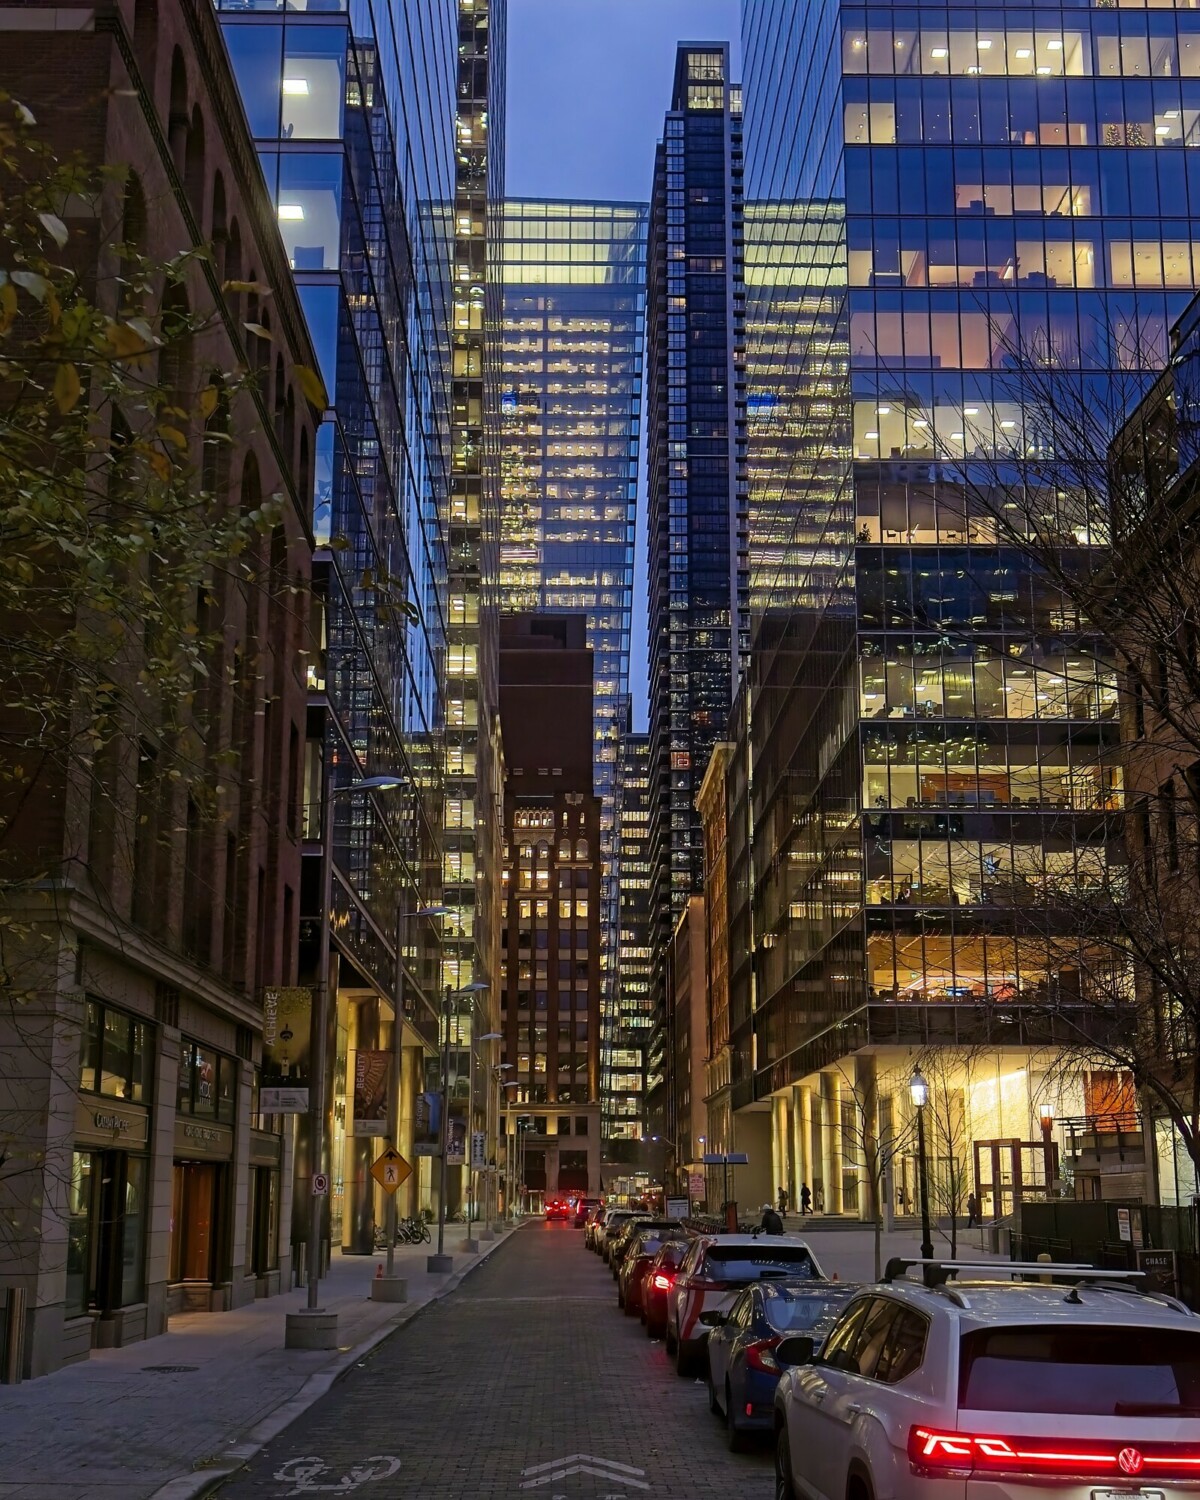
696	543
574	322
974	215
352	110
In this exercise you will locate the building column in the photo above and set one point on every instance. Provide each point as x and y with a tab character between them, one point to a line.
779	1146
831	1141
868	1143
801	1111
358	1201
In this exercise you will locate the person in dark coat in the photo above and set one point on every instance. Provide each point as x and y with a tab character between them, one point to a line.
805	1199
771	1222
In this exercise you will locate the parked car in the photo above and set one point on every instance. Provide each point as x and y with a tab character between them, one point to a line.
584	1208
594	1226
557	1208
657	1283
620	1245
1081	1390
614	1225
639	1254
715	1266
742	1369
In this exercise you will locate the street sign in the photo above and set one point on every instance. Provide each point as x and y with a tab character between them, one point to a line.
1124	1227
478	1150
1162	1270
732	1159
390	1170
320	1184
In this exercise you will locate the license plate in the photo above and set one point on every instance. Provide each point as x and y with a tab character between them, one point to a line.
1138	1494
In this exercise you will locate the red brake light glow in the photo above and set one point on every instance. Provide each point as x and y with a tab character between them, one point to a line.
760	1357
964	1453
663	1283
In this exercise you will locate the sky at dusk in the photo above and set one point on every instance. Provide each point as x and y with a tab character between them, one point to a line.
588	84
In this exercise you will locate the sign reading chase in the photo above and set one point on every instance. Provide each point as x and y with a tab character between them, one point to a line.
193	1139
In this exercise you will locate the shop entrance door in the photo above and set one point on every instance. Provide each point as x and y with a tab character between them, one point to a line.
194	1226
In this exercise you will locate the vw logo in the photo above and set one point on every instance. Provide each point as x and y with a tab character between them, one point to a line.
1130	1461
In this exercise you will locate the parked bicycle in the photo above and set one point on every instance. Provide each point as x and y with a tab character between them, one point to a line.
408	1232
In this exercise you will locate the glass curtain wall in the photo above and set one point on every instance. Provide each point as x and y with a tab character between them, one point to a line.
574	324
973	216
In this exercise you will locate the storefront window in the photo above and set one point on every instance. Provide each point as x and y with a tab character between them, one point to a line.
207	1084
115	1054
134	1233
79	1199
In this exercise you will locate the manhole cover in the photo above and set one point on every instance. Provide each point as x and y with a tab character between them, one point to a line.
169	1369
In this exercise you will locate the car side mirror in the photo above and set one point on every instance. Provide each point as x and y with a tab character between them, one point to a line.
713	1319
798	1350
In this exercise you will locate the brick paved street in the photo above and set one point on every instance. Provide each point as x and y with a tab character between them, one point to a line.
528	1362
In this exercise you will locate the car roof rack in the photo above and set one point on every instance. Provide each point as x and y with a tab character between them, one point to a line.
939	1271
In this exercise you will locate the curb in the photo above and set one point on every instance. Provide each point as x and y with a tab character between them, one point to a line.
197	1483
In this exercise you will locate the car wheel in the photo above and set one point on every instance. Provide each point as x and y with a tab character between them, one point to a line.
734	1435
714	1405
784	1488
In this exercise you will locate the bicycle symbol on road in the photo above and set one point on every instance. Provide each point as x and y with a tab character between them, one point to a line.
303	1474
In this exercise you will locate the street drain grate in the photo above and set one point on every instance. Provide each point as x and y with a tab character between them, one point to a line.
169	1369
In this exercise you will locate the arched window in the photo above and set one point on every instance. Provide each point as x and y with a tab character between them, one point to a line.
193	167
177	115
581	849
145	34
214	466
133	216
176	360
304	473
219	229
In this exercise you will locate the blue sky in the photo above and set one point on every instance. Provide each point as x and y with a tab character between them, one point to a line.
588	84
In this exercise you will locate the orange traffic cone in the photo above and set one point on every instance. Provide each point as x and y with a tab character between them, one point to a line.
835	1277
378	1270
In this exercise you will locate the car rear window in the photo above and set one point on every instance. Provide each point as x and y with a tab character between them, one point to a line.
673	1253
802	1314
745	1264
648	1244
1081	1371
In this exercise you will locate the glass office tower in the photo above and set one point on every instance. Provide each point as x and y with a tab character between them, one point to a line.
623	1095
353	115
696	541
574	322
958	218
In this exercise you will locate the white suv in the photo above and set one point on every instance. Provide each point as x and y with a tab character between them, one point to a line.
980	1390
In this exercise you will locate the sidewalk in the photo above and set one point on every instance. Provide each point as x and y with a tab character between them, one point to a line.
849	1252
118	1427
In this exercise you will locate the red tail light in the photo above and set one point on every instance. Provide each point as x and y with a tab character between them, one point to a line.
663	1283
698	1285
760	1357
966	1453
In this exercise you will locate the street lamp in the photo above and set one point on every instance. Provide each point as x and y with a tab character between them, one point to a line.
488	1036
319	1022
919	1090
1046	1117
438	1262
397	1063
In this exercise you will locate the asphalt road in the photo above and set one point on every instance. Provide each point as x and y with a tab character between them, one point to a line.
527	1381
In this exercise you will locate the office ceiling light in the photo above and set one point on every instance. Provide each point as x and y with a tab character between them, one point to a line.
296	86
971	411
290	213
1054	46
870	434
920	422
984	43
882	411
1024	52
1162	130
1044	72
939	52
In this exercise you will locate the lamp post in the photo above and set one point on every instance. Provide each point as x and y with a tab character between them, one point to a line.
1046	1118
508	1083
919	1090
296	1335
397	1060
441	1261
488	1036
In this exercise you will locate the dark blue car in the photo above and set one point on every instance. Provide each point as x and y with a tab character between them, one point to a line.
742	1369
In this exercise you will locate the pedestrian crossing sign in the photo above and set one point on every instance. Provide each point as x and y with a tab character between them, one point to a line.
390	1170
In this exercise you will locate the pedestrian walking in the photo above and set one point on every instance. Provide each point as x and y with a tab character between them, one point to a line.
805	1200
900	1199
972	1211
771	1222
782	1201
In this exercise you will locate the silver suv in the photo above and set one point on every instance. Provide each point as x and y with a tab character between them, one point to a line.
978	1389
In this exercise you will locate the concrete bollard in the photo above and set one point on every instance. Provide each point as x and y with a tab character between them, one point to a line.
311	1329
389	1289
439	1265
